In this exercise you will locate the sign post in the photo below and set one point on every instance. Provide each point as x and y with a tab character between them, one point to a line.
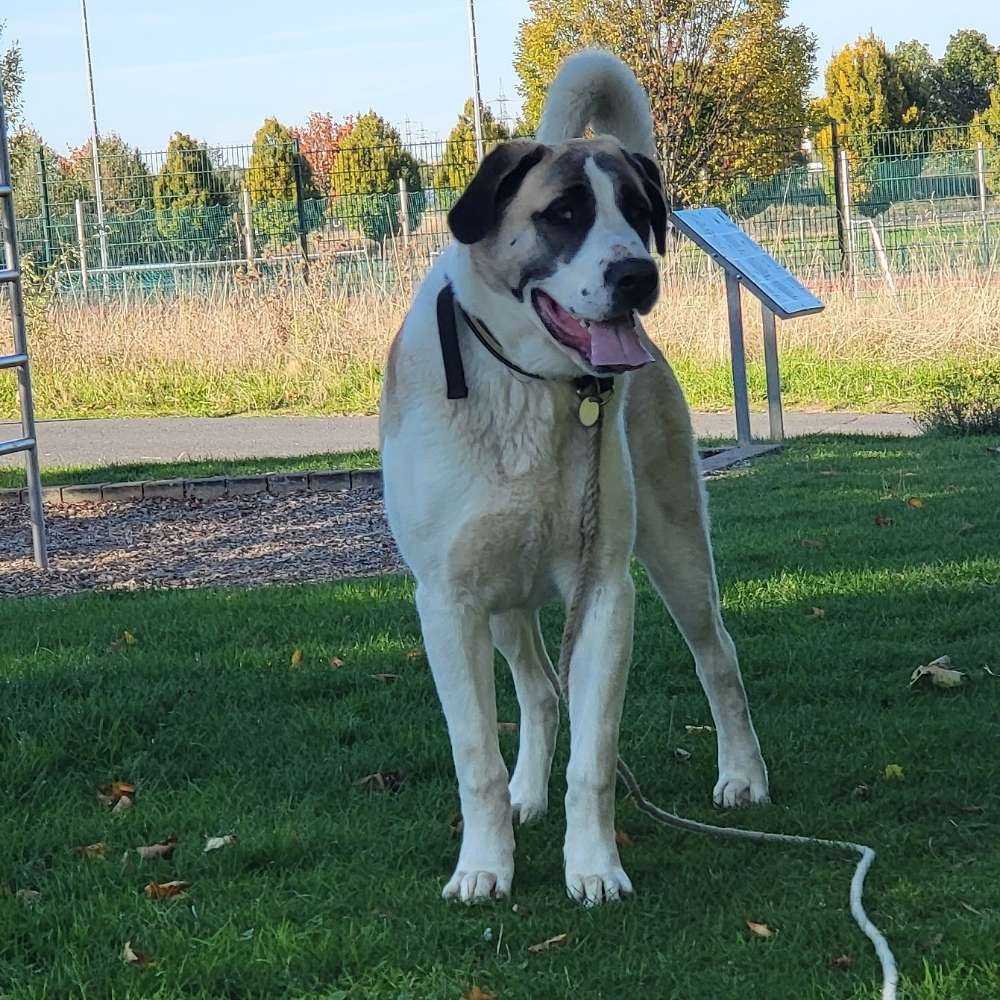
747	265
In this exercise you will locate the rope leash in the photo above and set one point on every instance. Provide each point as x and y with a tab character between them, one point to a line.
589	522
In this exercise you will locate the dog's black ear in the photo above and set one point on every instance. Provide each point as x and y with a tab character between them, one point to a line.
652	184
496	182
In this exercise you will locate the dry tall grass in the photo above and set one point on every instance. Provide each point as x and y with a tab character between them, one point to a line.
317	346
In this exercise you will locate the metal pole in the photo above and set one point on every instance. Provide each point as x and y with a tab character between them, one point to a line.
739	360
477	109
981	179
248	241
43	194
300	206
838	196
12	265
81	239
775	416
404	211
94	139
845	189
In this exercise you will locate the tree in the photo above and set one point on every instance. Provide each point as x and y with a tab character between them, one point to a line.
727	79
366	177
126	183
920	77
968	71
458	163
12	80
187	193
986	129
271	181
319	141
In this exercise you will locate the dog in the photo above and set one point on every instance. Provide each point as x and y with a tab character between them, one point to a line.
484	449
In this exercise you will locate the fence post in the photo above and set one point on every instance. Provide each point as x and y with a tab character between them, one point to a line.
248	241
300	206
844	170
81	239
43	193
404	211
838	196
981	178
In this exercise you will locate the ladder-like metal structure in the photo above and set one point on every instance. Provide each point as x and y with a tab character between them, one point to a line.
10	276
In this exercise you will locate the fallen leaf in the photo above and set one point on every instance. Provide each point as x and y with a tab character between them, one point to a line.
506	727
385	678
547	944
132	957
893	772
841	962
622	839
217	843
986	669
862	792
130	639
335	662
974	809
413	654
477	994
882	521
914	502
92	851
760	930
681	754
109	795
164	849
296	657
698	730
939	673
456	825
383	781
27	896
122	805
816	613
126	639
166	890
810	543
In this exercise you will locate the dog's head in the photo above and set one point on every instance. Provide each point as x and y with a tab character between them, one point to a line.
563	233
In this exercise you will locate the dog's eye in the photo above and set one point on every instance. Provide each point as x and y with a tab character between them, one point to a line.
560	212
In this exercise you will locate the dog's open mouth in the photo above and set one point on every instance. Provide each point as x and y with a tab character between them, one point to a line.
608	345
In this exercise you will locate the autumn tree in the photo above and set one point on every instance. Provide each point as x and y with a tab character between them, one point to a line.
459	162
187	193
727	79
366	176
126	183
319	141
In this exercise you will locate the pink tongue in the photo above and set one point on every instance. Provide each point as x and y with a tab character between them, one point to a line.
617	344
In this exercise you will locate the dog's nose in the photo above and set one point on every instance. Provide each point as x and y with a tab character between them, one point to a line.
632	283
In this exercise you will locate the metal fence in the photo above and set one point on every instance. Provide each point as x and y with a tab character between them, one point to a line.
902	202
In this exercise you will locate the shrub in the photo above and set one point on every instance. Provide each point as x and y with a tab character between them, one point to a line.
962	406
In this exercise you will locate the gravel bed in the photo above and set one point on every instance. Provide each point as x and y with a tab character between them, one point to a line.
172	544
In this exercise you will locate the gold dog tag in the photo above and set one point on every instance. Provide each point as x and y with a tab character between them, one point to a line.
590	411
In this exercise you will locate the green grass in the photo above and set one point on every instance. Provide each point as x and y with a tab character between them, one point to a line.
332	891
807	381
128	472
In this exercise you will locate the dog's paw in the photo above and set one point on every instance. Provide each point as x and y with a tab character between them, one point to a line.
743	784
527	804
478	886
592	890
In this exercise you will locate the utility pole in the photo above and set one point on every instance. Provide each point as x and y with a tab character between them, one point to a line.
98	192
476	100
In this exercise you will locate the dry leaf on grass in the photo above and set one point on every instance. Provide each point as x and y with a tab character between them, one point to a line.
681	754
92	851
841	962
164	849
810	543
760	930
385	678
383	781
297	657
132	957
166	890
414	654
915	502
881	521
816	613
938	673
217	843
547	944
335	662
27	896
622	839
506	727
111	795
477	994
122	805
893	772
699	730
126	639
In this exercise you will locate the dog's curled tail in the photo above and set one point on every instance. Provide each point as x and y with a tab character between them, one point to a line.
596	88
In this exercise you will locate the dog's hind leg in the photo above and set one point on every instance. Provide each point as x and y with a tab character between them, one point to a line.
460	653
518	637
673	544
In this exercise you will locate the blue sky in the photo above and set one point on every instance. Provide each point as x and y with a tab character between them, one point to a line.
217	68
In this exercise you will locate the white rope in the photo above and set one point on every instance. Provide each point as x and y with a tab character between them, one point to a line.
588	533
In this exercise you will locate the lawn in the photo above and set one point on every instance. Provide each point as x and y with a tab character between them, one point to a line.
331	890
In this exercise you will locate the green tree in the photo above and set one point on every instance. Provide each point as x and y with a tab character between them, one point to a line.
12	80
458	163
920	78
187	194
968	72
727	79
366	175
126	183
270	179
986	129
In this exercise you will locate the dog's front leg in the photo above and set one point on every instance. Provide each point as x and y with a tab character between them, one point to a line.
598	674
460	651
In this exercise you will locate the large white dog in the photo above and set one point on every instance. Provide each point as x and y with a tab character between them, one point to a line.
523	334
